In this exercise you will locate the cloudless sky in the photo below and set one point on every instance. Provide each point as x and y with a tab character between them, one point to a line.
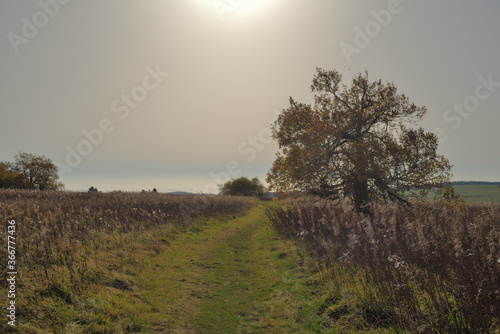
179	94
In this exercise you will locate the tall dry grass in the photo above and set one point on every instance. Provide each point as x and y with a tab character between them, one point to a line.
431	268
60	234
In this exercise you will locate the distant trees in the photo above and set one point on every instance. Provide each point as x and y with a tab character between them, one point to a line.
471	183
243	186
93	190
30	171
355	142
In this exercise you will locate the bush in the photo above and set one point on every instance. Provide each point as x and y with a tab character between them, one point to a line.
243	187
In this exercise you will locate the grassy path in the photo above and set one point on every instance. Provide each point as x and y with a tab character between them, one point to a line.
230	277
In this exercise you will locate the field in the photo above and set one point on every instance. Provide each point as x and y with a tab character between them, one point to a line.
475	193
160	263
479	193
71	246
149	263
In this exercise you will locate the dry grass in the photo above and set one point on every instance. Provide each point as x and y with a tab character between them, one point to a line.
64	240
431	268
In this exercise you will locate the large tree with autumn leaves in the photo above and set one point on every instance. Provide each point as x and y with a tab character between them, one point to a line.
359	141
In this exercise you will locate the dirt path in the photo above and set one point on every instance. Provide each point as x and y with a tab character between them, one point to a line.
227	278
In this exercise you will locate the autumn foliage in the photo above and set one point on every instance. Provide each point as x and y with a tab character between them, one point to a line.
359	141
30	171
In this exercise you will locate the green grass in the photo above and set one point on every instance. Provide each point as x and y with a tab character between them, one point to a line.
479	193
475	193
250	294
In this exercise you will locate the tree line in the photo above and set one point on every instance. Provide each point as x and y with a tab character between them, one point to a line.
473	183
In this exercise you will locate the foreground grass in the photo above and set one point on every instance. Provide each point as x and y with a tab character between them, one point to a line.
206	274
70	247
431	268
229	276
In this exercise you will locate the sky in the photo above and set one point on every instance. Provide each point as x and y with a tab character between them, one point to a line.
179	95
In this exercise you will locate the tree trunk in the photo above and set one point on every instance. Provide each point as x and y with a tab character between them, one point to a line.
360	196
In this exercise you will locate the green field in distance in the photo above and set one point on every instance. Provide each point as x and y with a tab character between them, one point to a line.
479	193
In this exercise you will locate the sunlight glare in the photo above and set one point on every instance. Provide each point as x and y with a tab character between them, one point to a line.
231	9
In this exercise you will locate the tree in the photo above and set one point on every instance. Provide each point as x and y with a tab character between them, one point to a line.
10	178
37	172
243	186
93	190
355	142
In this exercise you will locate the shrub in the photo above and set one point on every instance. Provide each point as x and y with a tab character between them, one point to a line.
243	187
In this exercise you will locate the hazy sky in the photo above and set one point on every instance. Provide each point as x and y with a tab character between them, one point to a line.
179	94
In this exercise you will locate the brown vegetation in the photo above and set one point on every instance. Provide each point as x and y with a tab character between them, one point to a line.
433	267
62	237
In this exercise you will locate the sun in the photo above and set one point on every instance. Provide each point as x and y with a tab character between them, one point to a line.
227	9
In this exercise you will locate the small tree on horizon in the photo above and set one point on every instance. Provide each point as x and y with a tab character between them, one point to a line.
243	186
30	171
355	142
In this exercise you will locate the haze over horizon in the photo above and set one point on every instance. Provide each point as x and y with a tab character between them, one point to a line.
178	95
